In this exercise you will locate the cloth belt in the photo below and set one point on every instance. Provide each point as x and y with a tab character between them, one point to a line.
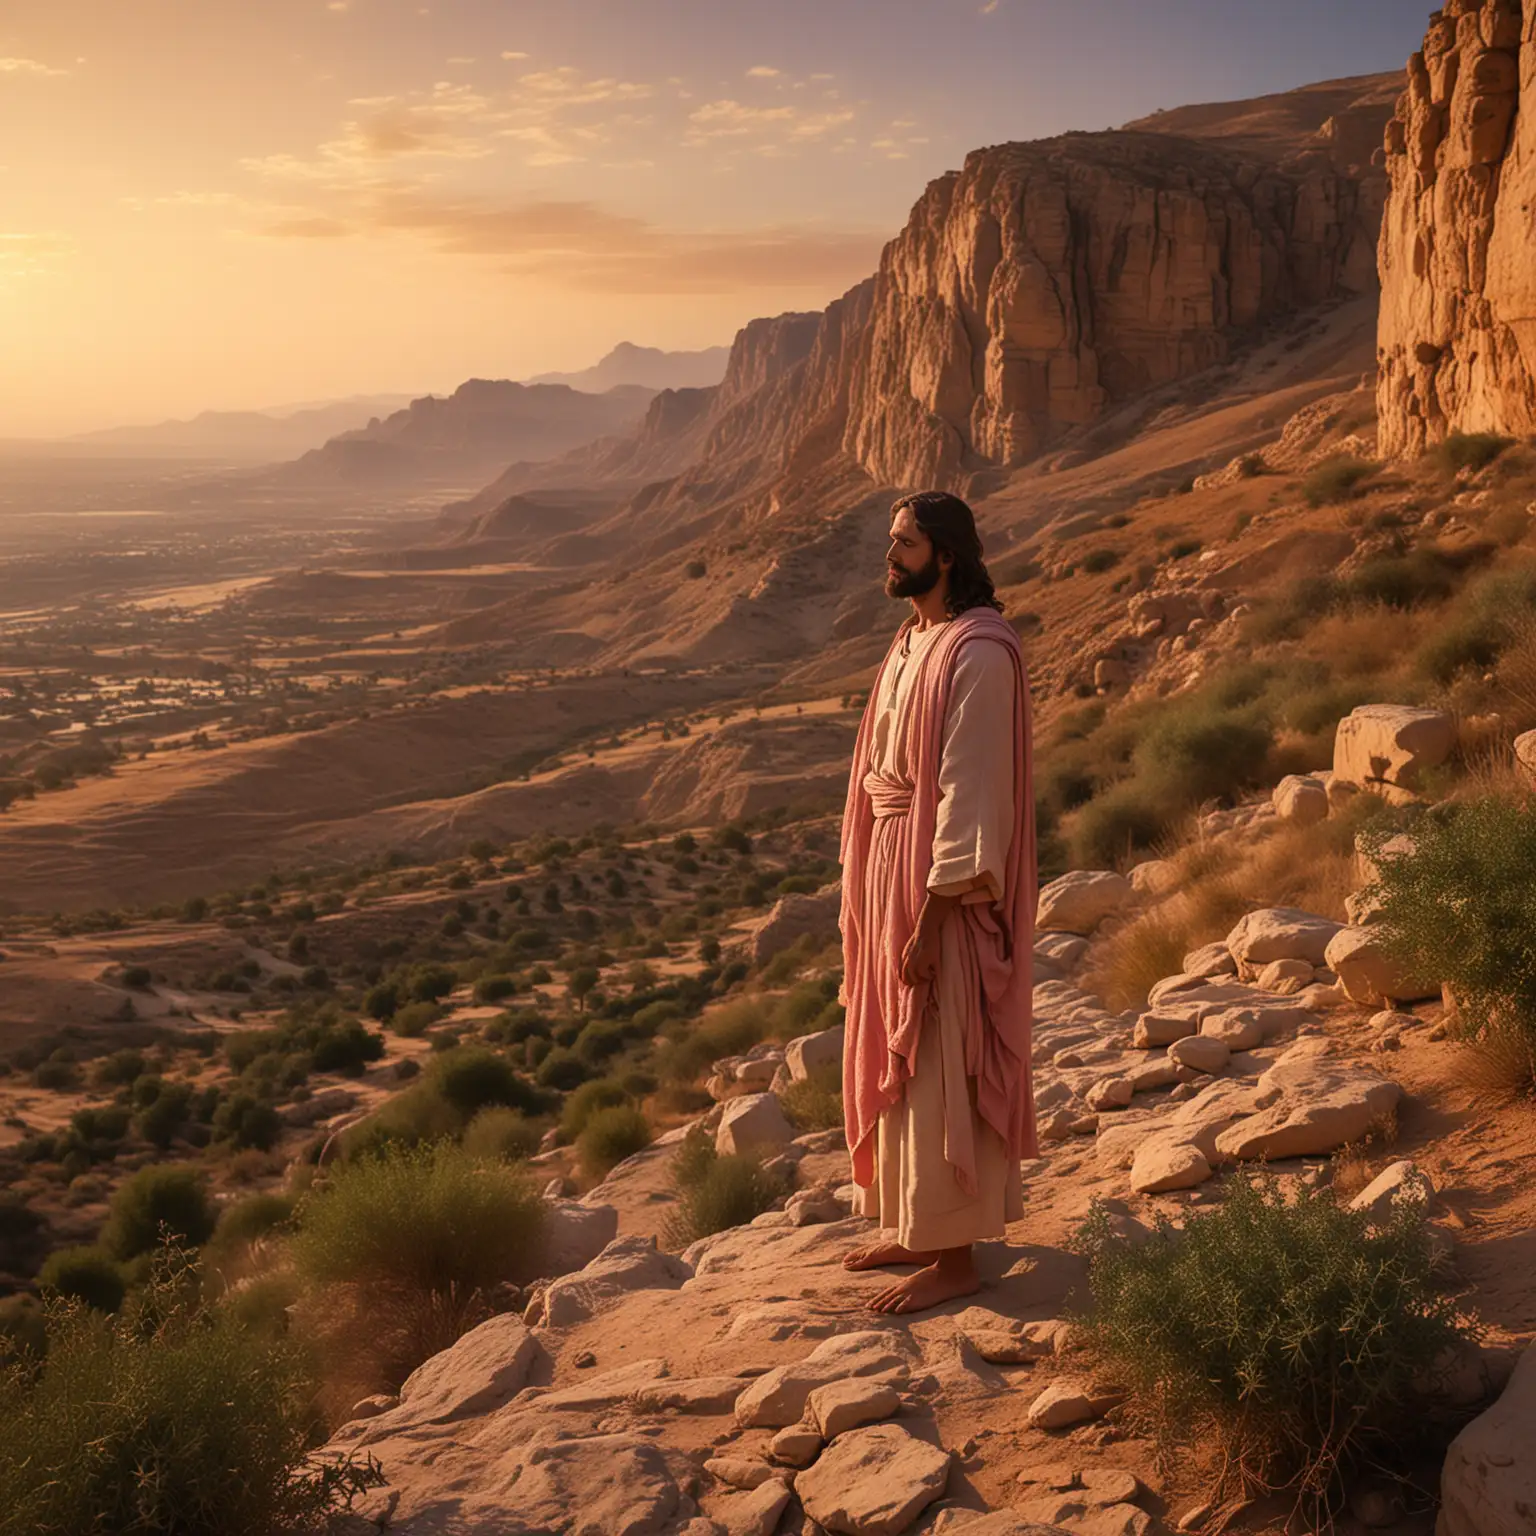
887	796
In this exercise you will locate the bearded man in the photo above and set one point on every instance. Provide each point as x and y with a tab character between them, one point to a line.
938	914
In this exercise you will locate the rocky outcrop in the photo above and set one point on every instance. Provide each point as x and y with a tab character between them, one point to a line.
1457	330
1045	283
1488	1487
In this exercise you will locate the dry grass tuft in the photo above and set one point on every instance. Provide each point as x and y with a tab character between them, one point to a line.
1131	962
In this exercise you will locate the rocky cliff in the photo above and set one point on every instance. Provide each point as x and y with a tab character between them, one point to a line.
1046	283
1457	336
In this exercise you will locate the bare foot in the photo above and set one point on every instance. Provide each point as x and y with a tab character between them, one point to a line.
877	1255
950	1276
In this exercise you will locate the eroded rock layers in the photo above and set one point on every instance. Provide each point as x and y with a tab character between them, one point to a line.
1457	338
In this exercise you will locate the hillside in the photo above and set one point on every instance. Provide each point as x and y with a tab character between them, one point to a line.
648	367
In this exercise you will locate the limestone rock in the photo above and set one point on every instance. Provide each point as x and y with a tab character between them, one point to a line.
873	1481
793	917
798	1445
1286	975
779	1396
1078	902
1316	1102
1202	1052
806	1053
626	1264
1525	755
575	1233
1065	1403
1164	1164
844	1405
1302	798
1397	1182
1369	974
1153	877
1488	1484
1210	960
690	1394
755	1122
1064	949
1281	933
1110	1093
598	1486
1387	747
757	1513
1162	1026
740	1471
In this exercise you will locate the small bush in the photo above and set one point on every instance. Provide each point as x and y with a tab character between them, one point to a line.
609	1136
86	1275
1471	450
1289	1334
815	1103
562	1069
724	1031
1110	828
716	1192
1131	962
471	1077
1461	909
164	1199
585	1101
400	1253
171	1421
499	1132
1097	561
1336	479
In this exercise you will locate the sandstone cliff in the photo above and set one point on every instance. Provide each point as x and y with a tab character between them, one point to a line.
1457	336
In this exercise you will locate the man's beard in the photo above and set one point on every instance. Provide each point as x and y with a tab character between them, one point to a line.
917	583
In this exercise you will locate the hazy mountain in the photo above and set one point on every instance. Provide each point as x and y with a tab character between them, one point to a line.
483	426
258	437
649	367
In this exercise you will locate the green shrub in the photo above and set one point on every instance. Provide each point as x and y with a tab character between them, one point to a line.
162	1199
1190	755
609	1136
599	1040
728	1030
1336	479
1471	450
1097	561
1290	1334
119	1069
499	1132
244	1121
562	1069
1111	827
716	1192
1406	580
493	988
585	1101
815	1103
400	1253
1461	909
471	1077
84	1274
170	1422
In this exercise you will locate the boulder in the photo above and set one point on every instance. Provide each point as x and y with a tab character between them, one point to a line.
752	1123
1285	976
793	917
778	1397
596	1486
1280	933
796	1446
1154	877
1302	798
575	1233
1314	1102
1488	1483
757	1073
1110	1093
1162	1026
1204	1053
1062	949
626	1264
757	1513
873	1481
690	1394
1388	747
1370	975
1078	902
1163	1163
1525	755
804	1054
844	1405
1210	960
1397	1182
1065	1403
740	1471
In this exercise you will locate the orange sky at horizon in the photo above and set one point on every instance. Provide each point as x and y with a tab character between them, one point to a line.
215	204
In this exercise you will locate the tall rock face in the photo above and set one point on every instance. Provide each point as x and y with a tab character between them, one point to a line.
1457	337
1046	283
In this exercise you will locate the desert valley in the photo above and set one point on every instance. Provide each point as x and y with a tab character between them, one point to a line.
420	979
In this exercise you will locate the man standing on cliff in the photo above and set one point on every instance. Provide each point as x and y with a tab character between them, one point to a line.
939	894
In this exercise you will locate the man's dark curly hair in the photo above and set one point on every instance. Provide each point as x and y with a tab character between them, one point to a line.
951	525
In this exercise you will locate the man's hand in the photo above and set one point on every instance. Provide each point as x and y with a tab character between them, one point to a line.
920	959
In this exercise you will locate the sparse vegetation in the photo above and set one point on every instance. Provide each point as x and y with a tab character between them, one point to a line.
609	1136
1336	479
1287	1333
716	1192
815	1103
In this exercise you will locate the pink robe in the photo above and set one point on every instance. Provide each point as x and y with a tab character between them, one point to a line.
888	849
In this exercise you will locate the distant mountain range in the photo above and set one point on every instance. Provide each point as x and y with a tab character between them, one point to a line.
648	367
244	437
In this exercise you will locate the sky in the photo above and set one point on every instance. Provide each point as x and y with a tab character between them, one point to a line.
242	203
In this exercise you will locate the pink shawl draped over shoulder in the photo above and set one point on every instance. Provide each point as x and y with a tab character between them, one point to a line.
880	908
